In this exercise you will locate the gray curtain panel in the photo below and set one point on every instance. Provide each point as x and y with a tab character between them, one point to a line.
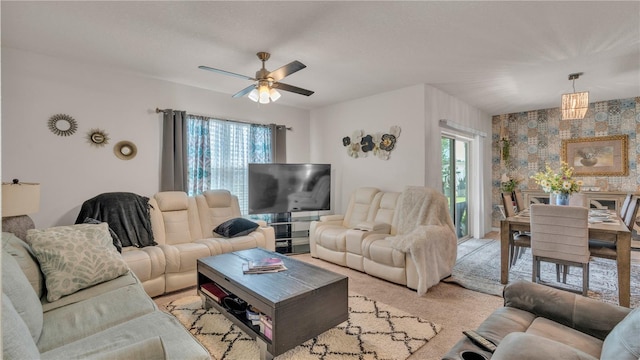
173	174
279	143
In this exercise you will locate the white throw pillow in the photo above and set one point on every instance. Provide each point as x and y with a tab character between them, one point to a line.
75	257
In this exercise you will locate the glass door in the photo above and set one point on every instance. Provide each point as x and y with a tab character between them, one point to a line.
455	184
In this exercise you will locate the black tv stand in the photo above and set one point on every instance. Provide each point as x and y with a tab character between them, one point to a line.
292	231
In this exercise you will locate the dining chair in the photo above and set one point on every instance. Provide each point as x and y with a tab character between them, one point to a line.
608	248
519	200
625	205
560	235
631	213
575	199
518	241
507	202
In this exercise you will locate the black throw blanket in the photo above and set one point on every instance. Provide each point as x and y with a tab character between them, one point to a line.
126	213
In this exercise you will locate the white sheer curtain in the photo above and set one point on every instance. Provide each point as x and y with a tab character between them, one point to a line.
219	152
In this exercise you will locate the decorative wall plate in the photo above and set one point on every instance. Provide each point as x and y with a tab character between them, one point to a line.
62	125
125	150
98	137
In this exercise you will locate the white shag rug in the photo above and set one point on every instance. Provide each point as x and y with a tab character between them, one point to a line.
374	331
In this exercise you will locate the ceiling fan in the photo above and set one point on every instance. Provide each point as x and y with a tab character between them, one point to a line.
266	84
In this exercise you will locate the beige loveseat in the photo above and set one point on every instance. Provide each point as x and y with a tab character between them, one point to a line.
375	235
112	319
183	228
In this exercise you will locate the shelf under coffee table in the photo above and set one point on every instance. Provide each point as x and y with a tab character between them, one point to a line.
302	301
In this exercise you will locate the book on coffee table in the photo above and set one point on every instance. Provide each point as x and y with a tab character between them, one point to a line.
266	265
214	291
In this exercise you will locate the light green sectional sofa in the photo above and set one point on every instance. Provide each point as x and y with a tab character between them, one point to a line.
76	314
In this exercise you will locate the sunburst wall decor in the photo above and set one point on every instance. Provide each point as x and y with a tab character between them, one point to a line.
62	125
98	137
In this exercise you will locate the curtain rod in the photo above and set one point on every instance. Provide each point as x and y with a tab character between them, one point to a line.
158	110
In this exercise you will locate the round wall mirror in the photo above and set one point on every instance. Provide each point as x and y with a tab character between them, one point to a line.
125	150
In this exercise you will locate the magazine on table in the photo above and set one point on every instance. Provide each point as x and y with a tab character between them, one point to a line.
263	266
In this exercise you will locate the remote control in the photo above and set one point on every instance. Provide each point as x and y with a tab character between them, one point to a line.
480	340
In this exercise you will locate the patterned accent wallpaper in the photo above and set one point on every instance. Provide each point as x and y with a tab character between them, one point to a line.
536	140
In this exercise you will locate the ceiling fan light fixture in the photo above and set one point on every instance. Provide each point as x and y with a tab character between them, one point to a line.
575	104
253	95
265	82
263	91
274	94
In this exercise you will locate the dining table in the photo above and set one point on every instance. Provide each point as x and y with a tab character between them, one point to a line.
614	231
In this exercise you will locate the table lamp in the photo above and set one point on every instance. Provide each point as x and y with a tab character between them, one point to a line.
18	201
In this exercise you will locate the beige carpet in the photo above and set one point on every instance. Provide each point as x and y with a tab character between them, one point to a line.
374	331
452	306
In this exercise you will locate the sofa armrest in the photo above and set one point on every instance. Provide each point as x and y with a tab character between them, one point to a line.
586	315
525	346
377	226
335	217
269	235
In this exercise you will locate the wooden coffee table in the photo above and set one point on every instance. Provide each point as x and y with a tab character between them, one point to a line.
302	301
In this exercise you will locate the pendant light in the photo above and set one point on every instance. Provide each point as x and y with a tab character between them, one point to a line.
575	104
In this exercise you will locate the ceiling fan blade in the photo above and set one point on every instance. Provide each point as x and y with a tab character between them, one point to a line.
286	70
244	91
224	72
291	88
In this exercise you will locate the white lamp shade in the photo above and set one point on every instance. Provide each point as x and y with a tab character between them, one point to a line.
253	95
264	94
575	105
274	94
20	199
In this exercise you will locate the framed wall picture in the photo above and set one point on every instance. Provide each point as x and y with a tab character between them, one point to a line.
597	156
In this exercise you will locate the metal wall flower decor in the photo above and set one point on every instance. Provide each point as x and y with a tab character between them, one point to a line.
379	144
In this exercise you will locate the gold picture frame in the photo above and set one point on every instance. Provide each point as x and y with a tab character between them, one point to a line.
597	156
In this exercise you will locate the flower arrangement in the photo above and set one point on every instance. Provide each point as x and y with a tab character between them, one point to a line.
558	183
508	184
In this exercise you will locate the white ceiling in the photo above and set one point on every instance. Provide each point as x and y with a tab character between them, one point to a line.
501	57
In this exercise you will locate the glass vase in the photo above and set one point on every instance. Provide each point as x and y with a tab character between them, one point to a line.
562	199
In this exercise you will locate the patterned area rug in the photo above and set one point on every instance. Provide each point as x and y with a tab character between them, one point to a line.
374	331
478	268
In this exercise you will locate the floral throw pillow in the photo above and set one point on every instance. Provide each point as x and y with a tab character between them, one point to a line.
75	257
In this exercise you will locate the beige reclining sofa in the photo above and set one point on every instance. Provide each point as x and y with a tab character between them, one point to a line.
183	228
363	238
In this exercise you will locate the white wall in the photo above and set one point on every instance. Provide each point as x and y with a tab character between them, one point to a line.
440	105
35	87
70	171
405	108
416	160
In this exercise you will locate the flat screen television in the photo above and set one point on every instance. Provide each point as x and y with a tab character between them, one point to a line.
281	188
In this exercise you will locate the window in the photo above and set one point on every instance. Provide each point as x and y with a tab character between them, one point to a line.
218	154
